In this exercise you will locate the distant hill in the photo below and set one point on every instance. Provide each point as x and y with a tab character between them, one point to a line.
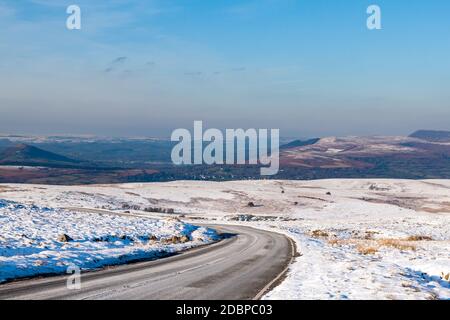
300	143
4	143
432	135
26	155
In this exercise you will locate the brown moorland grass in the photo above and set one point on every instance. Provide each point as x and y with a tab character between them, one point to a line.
319	234
366	250
419	238
367	247
395	243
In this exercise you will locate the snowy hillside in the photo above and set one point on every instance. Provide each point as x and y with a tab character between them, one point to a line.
357	239
40	240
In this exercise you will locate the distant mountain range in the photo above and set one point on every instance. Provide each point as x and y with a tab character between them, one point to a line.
432	135
25	155
133	152
425	154
299	143
361	152
22	163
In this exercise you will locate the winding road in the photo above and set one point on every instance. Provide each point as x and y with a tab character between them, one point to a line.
243	266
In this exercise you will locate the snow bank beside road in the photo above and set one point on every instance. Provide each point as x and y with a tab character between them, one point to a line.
32	239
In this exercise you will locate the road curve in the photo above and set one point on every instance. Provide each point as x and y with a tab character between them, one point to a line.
236	268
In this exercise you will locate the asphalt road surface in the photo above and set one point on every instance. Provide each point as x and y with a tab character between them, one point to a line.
242	266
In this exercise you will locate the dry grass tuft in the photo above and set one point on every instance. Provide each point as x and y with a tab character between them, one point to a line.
398	244
419	238
366	250
335	242
3	188
319	234
367	247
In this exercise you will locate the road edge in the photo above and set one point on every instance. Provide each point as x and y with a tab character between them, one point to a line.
282	275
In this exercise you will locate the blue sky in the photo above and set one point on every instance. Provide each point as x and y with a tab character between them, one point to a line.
310	68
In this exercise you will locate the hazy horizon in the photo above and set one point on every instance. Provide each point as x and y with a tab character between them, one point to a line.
284	138
309	68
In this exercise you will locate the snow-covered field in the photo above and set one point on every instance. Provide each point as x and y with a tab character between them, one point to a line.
357	239
34	240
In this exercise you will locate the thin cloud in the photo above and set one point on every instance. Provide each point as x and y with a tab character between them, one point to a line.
194	73
115	64
119	60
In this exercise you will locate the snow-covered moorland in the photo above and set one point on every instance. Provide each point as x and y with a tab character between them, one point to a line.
357	239
37	240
